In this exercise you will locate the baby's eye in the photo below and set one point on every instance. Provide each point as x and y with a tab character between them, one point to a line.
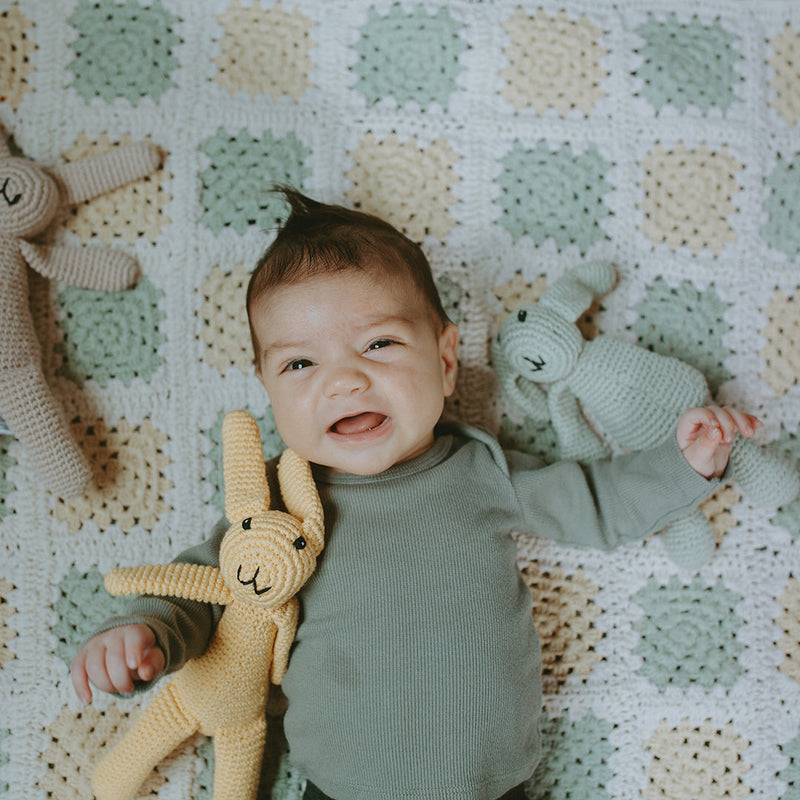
297	364
379	343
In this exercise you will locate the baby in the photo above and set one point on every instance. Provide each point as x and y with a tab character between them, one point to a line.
416	669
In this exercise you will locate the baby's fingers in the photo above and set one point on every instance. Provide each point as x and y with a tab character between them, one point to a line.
744	423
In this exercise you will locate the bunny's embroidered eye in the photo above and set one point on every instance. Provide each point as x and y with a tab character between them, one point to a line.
299	543
246	523
522	315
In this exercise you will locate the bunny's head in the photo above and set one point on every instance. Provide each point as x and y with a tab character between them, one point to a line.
266	556
540	341
29	197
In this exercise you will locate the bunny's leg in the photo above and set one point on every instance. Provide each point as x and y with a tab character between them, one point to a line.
37	421
763	476
160	728
237	760
690	541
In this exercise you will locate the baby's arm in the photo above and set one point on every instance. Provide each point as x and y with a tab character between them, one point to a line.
705	436
115	659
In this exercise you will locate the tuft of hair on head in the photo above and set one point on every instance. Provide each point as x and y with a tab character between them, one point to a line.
317	239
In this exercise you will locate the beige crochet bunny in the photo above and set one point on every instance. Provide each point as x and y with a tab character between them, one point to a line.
264	559
30	199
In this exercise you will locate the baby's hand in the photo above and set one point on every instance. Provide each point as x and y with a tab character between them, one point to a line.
116	658
705	436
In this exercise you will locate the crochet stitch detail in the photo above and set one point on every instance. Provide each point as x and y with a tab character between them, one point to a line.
395	179
574	762
554	194
130	469
70	756
111	335
15	52
554	62
244	168
789	624
691	64
717	759
787	445
686	323
82	605
688	634
130	212
785	82
123	50
223	326
688	197
564	611
782	228
385	69
782	350
7	633
6	486
264	51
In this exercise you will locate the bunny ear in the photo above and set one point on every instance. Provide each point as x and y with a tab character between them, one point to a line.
246	487
573	293
301	498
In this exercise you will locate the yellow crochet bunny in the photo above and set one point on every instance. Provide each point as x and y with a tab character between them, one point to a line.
30	199
265	557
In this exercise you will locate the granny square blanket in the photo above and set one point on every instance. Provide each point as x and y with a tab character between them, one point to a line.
513	139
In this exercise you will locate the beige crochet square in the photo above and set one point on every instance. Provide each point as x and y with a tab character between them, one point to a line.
129	467
15	51
264	51
688	197
223	320
77	742
564	610
553	62
789	623
405	184
782	350
129	212
715	756
786	74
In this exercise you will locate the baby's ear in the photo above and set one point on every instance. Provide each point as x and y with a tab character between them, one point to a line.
301	498
244	472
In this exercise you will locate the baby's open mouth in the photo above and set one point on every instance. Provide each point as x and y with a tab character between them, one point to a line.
358	423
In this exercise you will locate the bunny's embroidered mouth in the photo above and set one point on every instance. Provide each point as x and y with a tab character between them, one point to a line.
358	423
252	580
536	366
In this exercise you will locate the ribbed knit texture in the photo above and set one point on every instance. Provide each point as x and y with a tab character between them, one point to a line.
31	201
223	693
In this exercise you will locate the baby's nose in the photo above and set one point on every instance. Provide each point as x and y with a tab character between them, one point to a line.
346	380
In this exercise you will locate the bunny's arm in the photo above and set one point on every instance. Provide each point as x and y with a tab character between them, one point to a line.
286	620
198	582
576	440
90	177
89	267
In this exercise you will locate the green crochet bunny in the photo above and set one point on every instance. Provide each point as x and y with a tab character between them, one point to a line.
634	395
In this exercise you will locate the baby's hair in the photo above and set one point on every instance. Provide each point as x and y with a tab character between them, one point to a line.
318	239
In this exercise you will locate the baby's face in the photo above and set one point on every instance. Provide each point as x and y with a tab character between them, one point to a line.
356	372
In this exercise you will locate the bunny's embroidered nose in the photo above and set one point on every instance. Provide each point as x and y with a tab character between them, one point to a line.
252	580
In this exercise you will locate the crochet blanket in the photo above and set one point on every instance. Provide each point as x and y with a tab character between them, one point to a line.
513	139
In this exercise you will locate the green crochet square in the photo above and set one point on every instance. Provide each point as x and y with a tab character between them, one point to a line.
123	50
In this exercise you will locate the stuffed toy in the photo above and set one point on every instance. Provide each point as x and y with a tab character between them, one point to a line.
30	199
264	559
634	396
